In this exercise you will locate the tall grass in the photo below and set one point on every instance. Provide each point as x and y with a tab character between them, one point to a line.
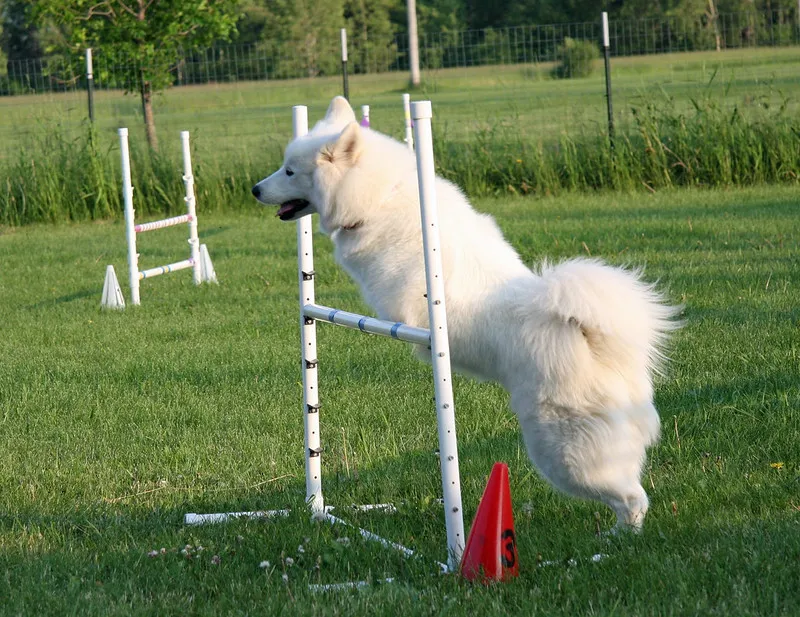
56	178
704	144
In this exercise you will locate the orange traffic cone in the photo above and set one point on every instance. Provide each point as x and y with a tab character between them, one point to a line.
491	550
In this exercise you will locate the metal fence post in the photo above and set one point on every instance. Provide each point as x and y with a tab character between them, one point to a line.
344	64
90	83
606	55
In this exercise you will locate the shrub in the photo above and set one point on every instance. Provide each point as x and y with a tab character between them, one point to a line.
577	58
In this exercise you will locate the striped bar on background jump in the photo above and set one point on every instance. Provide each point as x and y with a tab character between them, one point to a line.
178	265
398	331
175	220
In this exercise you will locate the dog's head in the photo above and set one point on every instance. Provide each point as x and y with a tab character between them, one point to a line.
313	164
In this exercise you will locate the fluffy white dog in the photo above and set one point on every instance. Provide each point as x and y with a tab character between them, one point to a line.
575	344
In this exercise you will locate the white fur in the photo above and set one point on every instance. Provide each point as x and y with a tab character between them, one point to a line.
576	344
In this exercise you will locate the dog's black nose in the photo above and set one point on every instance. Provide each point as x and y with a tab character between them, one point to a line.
256	191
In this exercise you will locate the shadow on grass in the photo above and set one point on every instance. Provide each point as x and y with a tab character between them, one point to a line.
78	295
210	232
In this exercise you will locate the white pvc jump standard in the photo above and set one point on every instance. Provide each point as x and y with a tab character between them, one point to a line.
196	256
422	113
435	338
308	342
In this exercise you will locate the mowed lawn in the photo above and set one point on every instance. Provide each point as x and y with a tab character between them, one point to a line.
115	424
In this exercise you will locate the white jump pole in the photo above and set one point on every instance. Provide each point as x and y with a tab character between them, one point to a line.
440	347
308	341
130	232
191	207
407	113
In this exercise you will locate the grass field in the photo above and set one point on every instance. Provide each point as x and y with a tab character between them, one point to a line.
113	425
252	117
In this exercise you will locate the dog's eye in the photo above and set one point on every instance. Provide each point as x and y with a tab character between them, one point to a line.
289	172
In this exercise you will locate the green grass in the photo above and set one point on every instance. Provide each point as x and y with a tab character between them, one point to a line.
113	425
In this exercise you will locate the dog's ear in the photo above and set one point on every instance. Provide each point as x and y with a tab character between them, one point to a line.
339	111
346	148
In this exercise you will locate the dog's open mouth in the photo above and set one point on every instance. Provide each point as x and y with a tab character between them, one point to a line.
290	208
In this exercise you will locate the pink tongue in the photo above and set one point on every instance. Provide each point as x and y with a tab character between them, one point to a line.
287	207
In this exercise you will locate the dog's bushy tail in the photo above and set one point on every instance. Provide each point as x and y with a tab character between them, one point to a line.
604	336
623	318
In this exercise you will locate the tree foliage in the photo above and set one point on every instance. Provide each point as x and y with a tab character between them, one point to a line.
304	34
370	28
19	37
145	34
146	37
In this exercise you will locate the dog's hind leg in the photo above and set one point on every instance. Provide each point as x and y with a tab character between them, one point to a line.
630	509
592	456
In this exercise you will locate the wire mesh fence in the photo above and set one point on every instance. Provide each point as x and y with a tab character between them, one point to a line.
272	60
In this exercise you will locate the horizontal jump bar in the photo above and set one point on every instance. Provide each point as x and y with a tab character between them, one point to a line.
175	220
179	265
396	330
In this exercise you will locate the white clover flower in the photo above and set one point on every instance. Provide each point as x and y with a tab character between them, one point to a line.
289	561
285	578
264	564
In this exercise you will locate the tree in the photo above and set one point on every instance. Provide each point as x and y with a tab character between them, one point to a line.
18	35
146	37
299	38
441	15
253	22
372	34
2	38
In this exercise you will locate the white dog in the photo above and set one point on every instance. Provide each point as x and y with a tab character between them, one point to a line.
575	344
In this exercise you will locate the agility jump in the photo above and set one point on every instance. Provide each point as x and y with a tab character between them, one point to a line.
435	338
199	260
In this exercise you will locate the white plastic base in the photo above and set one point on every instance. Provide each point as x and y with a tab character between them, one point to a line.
223	517
386	508
207	274
112	294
